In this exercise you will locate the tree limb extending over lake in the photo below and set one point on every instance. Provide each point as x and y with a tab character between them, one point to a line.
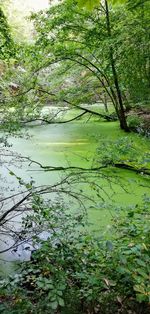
80	107
121	165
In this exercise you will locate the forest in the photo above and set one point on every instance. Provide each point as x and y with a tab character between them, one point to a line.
75	156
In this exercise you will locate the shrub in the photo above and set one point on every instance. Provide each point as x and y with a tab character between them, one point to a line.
75	272
134	122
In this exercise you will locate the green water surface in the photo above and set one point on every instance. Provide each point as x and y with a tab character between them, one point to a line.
75	144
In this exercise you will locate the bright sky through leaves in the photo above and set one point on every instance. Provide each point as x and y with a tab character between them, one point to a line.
34	5
17	13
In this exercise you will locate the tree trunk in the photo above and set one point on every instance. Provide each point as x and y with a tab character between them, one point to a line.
120	111
105	103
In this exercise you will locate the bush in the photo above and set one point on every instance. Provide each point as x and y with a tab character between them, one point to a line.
75	272
134	122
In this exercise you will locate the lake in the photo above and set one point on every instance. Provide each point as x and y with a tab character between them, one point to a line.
75	144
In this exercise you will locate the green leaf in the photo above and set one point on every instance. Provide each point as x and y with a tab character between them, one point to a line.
54	305
89	4
109	245
61	302
11	173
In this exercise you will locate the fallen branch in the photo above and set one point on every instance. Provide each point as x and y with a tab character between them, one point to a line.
120	165
104	116
86	110
132	168
54	122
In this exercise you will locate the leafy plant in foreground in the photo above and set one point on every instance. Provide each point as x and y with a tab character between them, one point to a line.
75	272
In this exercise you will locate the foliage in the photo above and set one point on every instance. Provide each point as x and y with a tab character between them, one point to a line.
87	48
73	271
90	4
140	124
80	57
70	62
134	121
133	253
18	13
124	151
6	42
96	62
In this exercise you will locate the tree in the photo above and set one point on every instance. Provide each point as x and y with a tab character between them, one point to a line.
94	43
87	59
134	46
6	42
84	51
120	107
75	60
141	19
